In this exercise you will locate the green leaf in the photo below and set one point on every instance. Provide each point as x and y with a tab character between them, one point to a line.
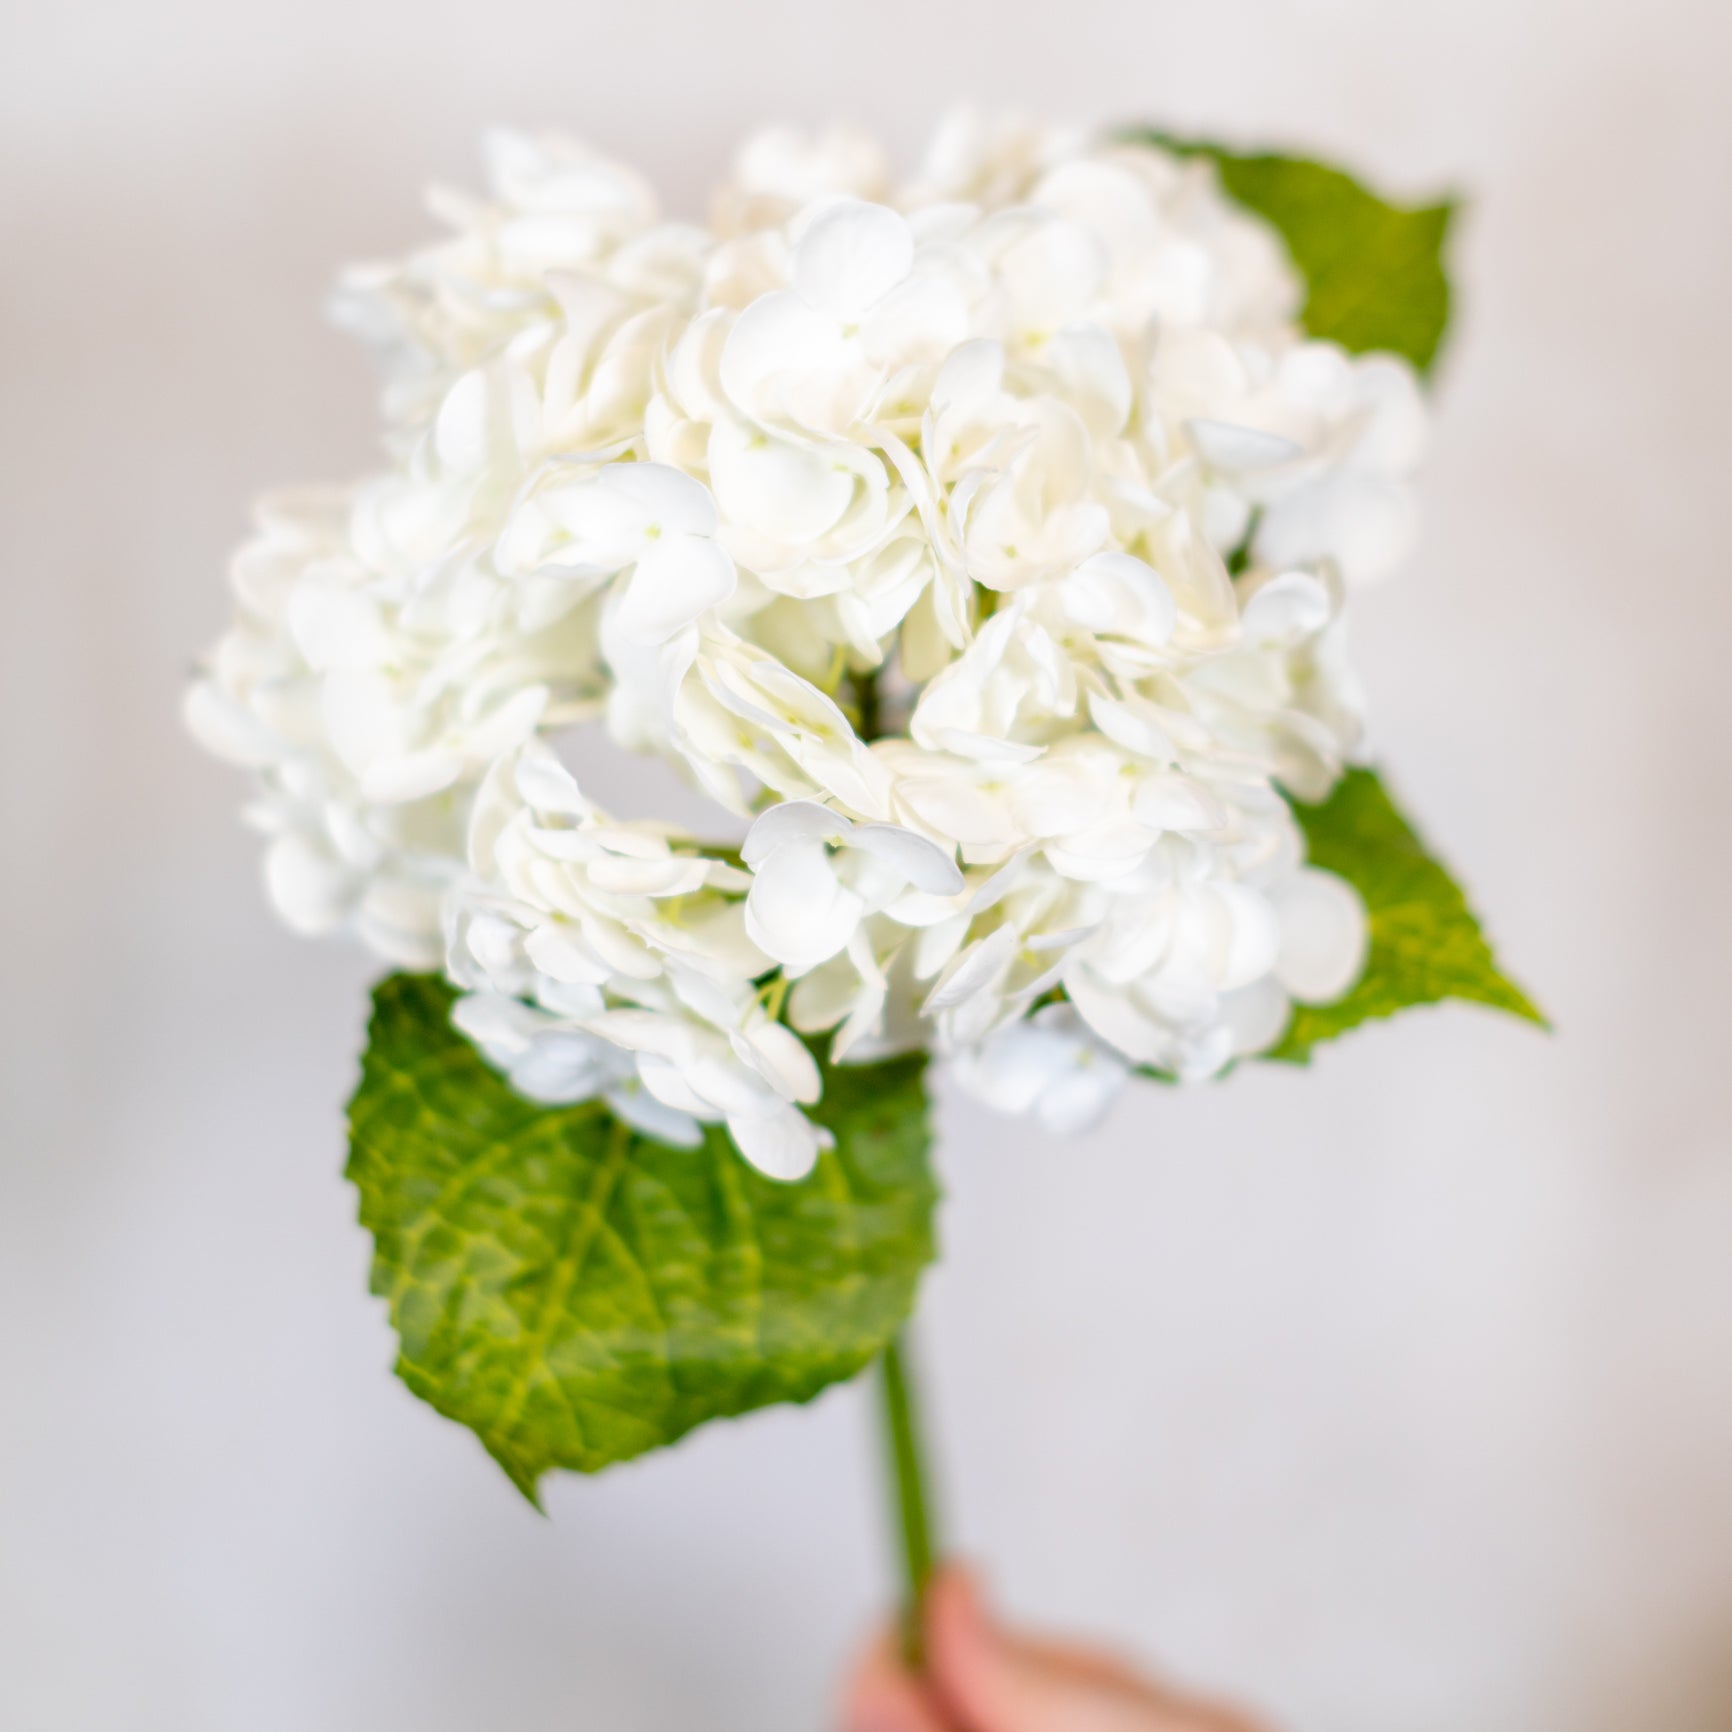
1426	945
577	1294
1373	270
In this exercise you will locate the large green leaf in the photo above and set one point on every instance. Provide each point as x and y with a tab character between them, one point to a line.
1373	270
1426	945
577	1294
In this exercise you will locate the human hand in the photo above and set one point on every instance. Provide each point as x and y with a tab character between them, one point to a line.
983	1678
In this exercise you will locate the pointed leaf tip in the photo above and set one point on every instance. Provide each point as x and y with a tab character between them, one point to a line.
577	1294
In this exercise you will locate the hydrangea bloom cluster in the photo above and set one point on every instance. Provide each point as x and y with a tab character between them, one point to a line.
980	543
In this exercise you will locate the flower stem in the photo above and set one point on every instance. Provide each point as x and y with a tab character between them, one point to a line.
902	1433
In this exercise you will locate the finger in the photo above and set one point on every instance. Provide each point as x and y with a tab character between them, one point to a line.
991	1681
1088	1665
882	1697
1117	1693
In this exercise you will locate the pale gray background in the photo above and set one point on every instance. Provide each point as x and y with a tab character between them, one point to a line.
1397	1396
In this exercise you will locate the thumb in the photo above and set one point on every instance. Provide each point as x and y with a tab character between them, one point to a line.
974	1668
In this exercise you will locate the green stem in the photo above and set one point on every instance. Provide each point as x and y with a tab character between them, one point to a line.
902	1431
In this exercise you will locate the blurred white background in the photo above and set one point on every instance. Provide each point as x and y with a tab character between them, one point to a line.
1396	1395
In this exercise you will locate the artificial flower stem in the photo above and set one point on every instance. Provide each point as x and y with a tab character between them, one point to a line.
902	1433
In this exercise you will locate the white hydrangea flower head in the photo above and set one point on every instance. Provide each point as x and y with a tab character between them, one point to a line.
981	544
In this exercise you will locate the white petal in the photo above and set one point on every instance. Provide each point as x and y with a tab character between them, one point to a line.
792	821
619	949
1014	1068
1052	274
1082	1097
500	1026
863	1033
937	944
1366	524
1135	724
1239	931
460	432
1324	935
730	1086
670	500
575	1003
489	939
1287	608
778	334
360	717
1116	1020
1057	799
784	163
507	727
971	376
959	810
1224	445
560	952
1118	593
822	998
647	1031
1256	1014
549	786
782	1145
850	255
920	320
1107	850
399	918
972	971
582	526
310	889
677	579
788	491
227	729
666	1082
561	1066
781	1058
1092	367
664	1124
797	912
1176	802
336	626
670	875
414	776
921	862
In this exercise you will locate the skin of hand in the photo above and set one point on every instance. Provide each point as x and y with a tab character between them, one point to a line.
983	1678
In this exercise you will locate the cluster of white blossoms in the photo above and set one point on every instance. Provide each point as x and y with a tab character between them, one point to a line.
981	543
